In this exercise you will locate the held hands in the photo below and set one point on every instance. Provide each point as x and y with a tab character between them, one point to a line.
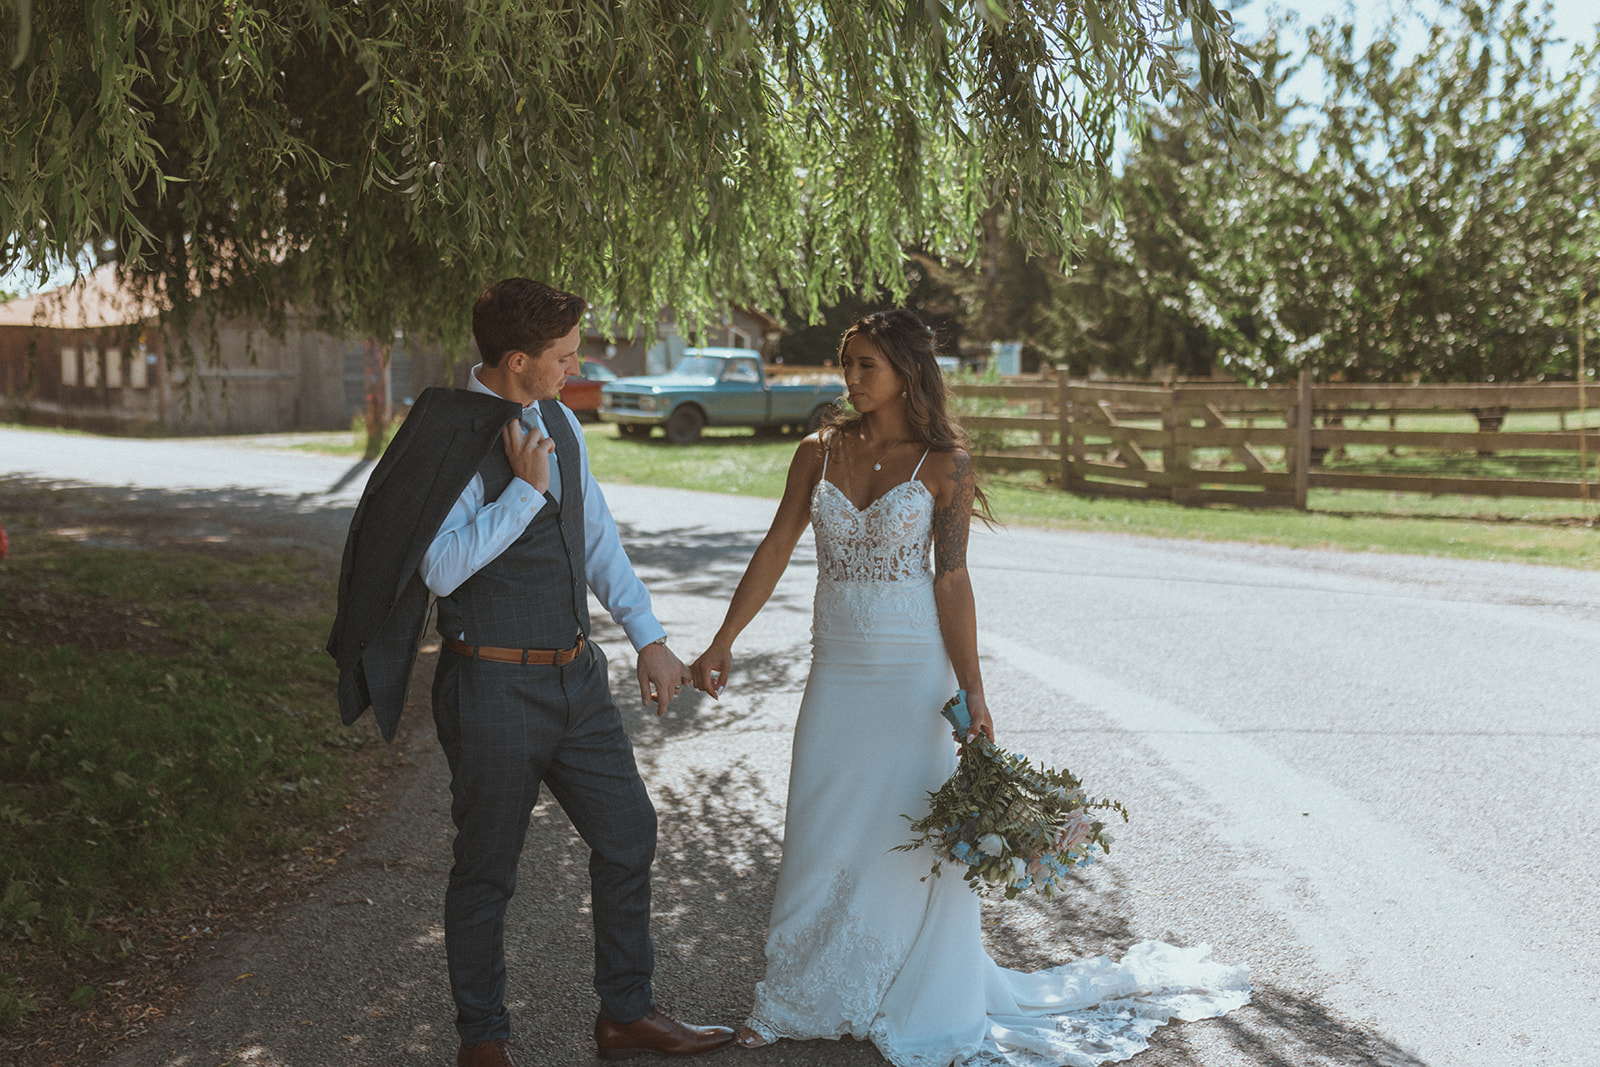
710	671
528	450
661	675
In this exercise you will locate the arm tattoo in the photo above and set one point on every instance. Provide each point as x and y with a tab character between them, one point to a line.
950	522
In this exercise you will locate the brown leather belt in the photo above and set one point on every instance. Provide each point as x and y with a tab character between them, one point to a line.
558	657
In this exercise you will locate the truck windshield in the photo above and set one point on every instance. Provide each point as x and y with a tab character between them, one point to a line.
743	371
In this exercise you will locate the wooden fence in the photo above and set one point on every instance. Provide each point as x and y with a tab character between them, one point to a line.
1204	443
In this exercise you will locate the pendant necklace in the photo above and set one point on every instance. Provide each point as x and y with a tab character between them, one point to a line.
878	466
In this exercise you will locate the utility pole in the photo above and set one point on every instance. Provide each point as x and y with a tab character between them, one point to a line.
1583	410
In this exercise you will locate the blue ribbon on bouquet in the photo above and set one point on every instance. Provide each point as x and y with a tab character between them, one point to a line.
955	710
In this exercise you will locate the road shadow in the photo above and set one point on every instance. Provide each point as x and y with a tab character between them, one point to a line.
682	550
357	469
131	518
715	870
356	976
694	561
1280	1029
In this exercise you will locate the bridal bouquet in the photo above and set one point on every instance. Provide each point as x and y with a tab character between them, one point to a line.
1013	826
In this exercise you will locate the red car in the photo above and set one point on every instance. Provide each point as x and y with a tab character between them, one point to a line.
582	391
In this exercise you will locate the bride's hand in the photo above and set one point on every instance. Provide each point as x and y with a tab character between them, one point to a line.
711	669
982	723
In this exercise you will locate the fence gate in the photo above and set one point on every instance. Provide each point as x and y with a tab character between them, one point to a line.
1199	443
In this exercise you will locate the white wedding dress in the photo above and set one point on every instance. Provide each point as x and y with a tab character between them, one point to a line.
859	943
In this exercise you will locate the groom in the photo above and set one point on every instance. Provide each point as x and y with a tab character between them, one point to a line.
485	499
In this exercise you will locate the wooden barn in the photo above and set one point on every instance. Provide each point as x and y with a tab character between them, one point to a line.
91	355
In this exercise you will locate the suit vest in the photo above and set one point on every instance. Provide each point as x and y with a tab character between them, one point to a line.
535	593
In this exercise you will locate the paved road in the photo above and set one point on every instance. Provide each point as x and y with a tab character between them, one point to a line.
1370	778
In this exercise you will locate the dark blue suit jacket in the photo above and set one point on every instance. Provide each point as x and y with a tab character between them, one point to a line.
383	604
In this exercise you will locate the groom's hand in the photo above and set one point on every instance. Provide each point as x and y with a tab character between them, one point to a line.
528	451
661	675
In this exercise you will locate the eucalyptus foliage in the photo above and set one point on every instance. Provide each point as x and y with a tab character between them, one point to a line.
378	161
1435	218
1010	826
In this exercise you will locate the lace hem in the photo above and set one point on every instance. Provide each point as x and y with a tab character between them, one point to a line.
827	979
1115	1008
903	1057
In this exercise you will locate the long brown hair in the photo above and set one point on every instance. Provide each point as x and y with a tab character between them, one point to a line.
911	348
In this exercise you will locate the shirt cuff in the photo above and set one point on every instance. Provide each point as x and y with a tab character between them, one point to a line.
643	631
519	494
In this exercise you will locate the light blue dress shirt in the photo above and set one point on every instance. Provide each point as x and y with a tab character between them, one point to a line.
476	532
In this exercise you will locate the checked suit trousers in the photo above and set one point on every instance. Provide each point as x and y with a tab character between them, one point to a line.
505	729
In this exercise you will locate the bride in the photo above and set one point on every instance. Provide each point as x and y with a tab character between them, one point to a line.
859	943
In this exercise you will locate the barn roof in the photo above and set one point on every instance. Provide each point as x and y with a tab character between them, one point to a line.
93	301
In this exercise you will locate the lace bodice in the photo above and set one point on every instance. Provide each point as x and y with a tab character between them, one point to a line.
885	542
872	562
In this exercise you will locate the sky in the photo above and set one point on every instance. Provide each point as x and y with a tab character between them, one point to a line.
1574	20
1571	16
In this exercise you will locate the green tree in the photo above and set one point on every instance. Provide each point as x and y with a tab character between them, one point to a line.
1000	294
377	161
1433	219
813	340
1466	202
1164	280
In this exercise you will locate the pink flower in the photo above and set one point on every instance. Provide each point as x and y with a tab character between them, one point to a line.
1073	834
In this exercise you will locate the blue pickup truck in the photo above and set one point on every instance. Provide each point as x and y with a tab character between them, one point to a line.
714	387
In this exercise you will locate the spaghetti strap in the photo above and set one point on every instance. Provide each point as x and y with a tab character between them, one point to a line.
913	473
825	451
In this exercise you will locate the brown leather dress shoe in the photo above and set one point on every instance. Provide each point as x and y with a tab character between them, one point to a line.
657	1032
485	1054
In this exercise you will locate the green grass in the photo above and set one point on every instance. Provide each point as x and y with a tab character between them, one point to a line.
1526	529
351	443
165	713
4	425
724	461
1521	529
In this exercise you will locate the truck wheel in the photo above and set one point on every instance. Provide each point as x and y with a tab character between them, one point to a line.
634	430
684	425
818	413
